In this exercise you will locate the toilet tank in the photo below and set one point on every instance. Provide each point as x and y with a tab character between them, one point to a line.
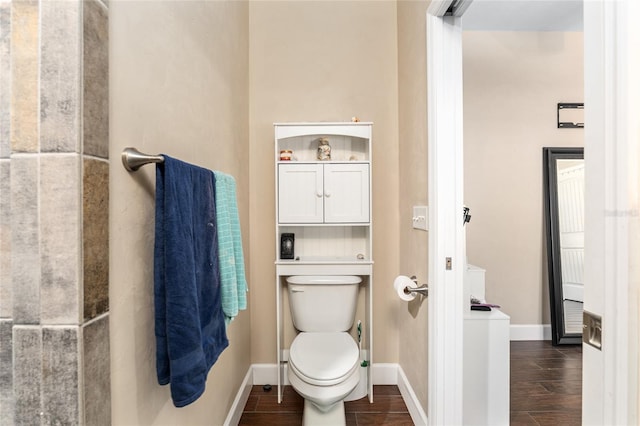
323	302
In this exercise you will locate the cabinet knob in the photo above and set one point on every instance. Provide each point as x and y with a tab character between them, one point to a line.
319	194
327	194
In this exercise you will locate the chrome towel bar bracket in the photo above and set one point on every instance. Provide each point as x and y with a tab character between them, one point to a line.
132	159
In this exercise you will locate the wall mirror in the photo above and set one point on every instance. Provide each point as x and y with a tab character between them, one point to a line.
564	212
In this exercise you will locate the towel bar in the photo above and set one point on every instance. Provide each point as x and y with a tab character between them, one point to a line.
132	159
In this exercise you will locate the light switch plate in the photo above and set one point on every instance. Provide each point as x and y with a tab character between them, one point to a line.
420	217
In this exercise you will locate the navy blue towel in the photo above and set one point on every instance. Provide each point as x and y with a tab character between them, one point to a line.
189	321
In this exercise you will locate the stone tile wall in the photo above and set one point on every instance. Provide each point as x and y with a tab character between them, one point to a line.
6	287
95	242
95	81
5	82
54	197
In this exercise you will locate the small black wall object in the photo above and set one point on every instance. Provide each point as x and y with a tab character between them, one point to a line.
562	123
286	246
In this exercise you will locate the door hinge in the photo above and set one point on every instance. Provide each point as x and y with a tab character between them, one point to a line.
448	264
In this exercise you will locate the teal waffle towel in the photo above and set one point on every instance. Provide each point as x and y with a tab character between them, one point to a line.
233	283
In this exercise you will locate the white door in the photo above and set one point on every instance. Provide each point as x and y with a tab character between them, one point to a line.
612	253
346	193
300	193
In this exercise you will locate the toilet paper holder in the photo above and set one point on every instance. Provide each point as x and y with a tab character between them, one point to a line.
423	289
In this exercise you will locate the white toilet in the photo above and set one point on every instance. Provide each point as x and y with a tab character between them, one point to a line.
324	359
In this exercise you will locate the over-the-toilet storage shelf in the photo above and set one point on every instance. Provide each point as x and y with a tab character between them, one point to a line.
327	206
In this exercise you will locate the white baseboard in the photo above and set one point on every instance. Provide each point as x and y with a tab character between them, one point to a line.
530	332
235	412
382	374
416	412
265	374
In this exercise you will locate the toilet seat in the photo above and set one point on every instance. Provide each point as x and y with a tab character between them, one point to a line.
323	359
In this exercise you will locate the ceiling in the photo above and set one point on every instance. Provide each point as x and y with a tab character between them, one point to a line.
523	15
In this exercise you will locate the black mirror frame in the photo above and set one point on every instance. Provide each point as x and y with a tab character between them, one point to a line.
554	266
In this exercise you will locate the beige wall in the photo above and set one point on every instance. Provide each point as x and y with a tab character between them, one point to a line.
412	316
512	83
179	85
323	61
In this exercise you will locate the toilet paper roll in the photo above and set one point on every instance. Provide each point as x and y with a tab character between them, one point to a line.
400	283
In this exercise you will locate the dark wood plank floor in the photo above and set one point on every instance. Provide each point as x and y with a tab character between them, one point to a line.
546	384
263	409
546	390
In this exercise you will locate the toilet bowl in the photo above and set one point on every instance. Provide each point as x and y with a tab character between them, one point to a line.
324	360
324	369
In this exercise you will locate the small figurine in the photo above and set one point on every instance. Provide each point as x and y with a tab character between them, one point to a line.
324	149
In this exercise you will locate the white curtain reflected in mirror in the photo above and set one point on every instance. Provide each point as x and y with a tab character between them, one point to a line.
564	212
571	230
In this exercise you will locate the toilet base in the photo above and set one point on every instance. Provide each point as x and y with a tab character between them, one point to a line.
312	416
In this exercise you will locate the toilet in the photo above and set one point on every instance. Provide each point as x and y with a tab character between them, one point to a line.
324	359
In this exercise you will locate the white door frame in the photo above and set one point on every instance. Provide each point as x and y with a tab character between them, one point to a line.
446	238
612	231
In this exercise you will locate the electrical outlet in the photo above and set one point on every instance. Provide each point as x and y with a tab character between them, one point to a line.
420	217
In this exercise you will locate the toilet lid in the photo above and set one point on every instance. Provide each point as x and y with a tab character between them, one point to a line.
324	356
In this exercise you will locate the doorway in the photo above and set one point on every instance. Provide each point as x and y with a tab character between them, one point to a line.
610	392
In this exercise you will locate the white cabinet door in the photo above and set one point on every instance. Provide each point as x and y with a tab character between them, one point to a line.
300	193
346	193
323	193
